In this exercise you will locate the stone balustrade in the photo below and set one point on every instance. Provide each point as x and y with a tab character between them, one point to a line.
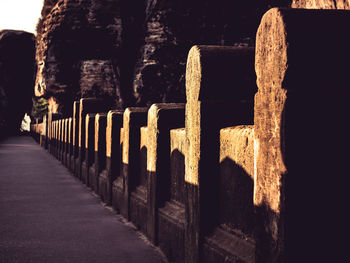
250	168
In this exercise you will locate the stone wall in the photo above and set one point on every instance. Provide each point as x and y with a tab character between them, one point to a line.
17	67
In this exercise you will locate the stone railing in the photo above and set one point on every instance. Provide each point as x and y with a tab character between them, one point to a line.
240	173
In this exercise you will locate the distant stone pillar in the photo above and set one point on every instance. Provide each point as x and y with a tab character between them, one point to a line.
220	84
113	155
302	59
69	142
133	119
88	105
75	135
64	148
100	150
89	147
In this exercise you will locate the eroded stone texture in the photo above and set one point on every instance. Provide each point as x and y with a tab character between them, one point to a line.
162	117
321	4
220	84
146	42
70	32
98	80
17	69
302	84
173	27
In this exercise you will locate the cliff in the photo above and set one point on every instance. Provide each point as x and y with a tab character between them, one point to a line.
71	36
134	52
131	52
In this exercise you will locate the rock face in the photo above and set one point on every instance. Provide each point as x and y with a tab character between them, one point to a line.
71	34
134	52
17	67
173	27
142	45
321	4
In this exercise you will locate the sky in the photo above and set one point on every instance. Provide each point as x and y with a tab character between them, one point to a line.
20	14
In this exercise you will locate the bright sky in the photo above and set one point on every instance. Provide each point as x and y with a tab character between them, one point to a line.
20	14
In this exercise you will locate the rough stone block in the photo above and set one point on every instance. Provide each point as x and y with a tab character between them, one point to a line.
133	119
89	147
138	198
88	105
171	216
220	84
75	136
113	155
100	150
69	142
65	142
302	81
233	239
162	117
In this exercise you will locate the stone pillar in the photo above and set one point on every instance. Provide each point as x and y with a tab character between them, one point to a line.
302	76
52	136
75	136
86	106
171	216
58	148
220	84
65	142
69	142
100	150
113	155
162	118
56	138
133	120
89	147
62	129
44	136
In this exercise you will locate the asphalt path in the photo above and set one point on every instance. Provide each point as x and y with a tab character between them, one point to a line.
47	215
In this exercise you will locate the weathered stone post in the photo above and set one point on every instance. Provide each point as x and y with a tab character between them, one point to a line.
220	84
44	132
59	139
88	105
69	142
65	134
100	150
113	155
52	136
56	138
171	215
89	147
62	138
75	136
49	126
162	117
125	184
302	59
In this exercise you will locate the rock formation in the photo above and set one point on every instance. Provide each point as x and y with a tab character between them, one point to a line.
73	35
17	67
132	52
321	4
173	27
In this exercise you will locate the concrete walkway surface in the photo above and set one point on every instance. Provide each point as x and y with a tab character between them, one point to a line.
47	215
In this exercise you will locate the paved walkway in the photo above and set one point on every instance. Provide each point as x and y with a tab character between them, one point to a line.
47	215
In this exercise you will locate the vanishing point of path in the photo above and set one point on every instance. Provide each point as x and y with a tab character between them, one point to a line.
47	215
